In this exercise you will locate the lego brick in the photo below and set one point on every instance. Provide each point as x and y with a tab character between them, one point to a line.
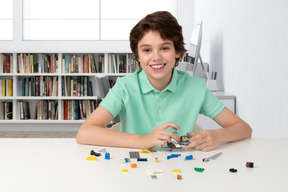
145	150
199	169
189	157
134	154
141	159
125	160
176	171
133	165
179	177
95	154
154	176
91	158
107	156
250	164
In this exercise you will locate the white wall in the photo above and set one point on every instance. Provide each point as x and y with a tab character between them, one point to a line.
247	43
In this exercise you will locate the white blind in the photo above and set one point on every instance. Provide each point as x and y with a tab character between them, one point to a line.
81	19
60	19
6	19
118	20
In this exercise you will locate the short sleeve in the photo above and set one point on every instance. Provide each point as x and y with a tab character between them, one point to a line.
211	105
113	101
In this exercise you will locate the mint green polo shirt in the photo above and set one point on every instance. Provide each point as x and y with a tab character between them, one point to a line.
142	108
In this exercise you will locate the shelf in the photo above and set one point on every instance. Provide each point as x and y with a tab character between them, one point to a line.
92	66
33	121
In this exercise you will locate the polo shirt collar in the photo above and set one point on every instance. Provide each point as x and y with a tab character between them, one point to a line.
146	86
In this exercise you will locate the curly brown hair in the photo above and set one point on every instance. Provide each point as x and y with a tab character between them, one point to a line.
163	22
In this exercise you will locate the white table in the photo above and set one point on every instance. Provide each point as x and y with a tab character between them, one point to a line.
61	165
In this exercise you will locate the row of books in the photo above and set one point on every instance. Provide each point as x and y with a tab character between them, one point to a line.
6	63
121	63
37	63
6	110
83	64
44	110
48	109
76	86
38	86
78	109
6	87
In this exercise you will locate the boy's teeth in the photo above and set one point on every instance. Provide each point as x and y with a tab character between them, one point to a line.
157	66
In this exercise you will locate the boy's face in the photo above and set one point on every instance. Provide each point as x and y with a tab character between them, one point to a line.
157	57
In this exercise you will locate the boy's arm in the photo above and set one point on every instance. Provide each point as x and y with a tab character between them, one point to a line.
93	132
234	129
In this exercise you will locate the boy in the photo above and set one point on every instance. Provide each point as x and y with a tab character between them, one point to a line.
157	98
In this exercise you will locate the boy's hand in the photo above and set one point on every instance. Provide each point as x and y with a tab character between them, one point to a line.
159	136
207	140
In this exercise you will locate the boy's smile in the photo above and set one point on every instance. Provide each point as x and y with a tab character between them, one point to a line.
157	58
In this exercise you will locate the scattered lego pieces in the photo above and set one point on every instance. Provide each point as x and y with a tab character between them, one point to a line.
124	170
156	160
133	165
148	171
126	160
199	169
107	156
233	170
95	154
173	156
154	176
134	154
212	157
189	157
179	177
250	164
176	171
141	159
145	150
91	158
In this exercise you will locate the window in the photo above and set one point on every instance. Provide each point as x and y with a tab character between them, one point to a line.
118	20
60	19
86	19
6	20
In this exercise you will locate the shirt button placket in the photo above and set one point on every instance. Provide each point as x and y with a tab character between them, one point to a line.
160	110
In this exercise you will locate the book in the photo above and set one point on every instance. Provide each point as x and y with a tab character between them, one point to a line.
90	91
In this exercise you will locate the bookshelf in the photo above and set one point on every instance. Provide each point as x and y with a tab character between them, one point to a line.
56	88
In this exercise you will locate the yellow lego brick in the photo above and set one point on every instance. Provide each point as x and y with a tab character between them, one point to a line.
124	170
91	158
145	150
176	171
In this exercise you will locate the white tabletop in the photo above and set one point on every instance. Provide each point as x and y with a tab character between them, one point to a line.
61	165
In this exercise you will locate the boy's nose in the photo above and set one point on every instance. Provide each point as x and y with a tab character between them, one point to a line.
156	55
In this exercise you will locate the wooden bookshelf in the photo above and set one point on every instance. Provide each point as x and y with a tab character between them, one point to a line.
50	85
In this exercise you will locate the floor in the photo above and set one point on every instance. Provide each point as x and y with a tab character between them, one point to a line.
36	134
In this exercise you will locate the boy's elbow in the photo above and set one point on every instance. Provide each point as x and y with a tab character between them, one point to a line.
80	137
249	130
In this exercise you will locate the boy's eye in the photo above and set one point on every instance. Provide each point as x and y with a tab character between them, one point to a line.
146	50
165	48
